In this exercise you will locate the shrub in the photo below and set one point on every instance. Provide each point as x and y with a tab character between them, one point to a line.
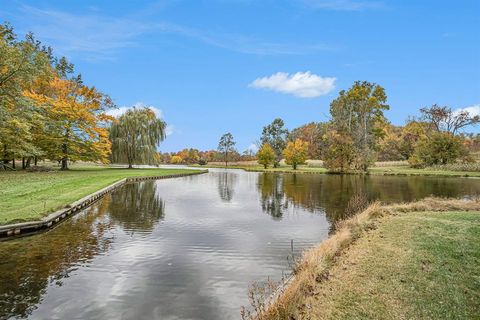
439	148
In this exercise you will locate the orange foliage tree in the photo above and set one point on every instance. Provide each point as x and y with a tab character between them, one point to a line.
75	120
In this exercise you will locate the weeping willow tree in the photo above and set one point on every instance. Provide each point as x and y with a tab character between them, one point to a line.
135	137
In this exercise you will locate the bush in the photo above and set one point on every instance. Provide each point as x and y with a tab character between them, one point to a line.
440	148
202	162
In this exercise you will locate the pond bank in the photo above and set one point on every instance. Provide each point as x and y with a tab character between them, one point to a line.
382	171
12	230
417	260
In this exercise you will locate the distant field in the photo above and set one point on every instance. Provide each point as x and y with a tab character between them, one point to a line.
380	168
27	196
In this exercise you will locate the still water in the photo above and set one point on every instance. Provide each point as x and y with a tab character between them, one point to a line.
186	248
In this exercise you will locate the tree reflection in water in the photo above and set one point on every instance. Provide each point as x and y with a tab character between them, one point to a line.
330	193
137	207
36	264
26	275
226	185
272	195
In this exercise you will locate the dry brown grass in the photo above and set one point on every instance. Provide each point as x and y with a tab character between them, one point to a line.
314	266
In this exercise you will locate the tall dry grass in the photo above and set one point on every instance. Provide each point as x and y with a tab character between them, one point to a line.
314	265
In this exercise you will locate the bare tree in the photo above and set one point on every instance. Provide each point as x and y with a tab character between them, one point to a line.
444	119
226	146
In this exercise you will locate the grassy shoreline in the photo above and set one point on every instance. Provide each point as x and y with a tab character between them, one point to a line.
382	171
417	260
29	196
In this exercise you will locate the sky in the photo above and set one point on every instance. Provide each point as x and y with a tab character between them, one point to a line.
211	67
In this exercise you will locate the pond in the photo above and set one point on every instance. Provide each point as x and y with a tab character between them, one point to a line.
186	248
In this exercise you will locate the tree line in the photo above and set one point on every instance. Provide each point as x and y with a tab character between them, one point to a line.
357	135
48	112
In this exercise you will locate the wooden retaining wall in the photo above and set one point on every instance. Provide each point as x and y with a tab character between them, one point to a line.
11	231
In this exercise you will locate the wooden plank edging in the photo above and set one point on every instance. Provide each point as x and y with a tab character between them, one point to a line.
10	231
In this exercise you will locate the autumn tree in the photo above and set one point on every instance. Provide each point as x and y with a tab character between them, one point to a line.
340	152
411	134
438	148
390	146
226	145
440	143
358	113
176	160
189	156
296	153
266	155
135	136
76	120
312	133
275	134
22	63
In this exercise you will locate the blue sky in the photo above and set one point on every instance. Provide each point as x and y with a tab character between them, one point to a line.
218	66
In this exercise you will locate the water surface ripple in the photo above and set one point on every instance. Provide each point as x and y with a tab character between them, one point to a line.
185	248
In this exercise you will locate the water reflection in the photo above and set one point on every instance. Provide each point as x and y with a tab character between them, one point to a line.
54	255
27	270
272	196
226	185
127	257
137	207
330	193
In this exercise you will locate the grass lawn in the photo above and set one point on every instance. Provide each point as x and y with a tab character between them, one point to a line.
414	266
408	265
27	196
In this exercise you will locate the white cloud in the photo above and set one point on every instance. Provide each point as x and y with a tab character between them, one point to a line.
472	110
300	84
169	130
119	111
94	36
253	148
344	5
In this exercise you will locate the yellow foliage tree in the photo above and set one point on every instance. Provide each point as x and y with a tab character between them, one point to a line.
266	155
176	160
296	153
76	120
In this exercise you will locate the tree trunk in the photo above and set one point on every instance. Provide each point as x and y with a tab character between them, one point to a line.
64	164
65	157
294	166
130	166
23	163
28	162
35	161
13	163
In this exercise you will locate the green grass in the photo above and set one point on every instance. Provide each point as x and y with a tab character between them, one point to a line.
417	265
403	170
27	196
387	170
